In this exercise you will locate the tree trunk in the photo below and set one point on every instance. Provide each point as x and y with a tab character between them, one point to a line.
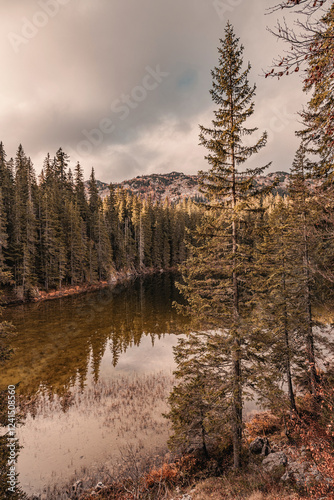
237	385
205	450
308	306
287	346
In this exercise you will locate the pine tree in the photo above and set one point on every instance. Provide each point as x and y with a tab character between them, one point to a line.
24	224
52	230
179	219
312	207
7	187
278	308
130	231
146	232
103	246
5	274
100	250
61	164
75	244
215	286
303	213
167	237
80	195
113	227
93	217
158	237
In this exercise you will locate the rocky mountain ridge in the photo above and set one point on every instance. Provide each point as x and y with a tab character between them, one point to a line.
176	186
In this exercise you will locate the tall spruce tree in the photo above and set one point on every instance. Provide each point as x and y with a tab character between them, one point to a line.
79	190
113	227
312	208
278	308
5	274
215	276
303	210
92	226
7	187
76	244
52	230
24	224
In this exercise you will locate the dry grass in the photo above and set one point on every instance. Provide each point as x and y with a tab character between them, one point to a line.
164	478
100	420
177	480
223	488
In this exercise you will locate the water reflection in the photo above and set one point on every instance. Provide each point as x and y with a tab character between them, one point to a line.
57	340
93	373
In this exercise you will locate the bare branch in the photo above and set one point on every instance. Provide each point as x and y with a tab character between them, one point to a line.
308	38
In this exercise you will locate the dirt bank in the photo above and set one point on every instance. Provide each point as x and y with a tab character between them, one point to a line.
9	297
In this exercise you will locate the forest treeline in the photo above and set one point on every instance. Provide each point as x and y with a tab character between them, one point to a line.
52	234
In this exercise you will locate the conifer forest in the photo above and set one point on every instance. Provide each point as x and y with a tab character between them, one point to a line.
53	234
244	284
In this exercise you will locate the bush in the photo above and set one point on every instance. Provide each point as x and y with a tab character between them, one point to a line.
263	424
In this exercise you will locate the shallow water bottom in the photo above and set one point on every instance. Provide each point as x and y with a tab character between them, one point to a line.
63	437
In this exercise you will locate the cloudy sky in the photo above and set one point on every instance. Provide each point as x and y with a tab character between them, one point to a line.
122	85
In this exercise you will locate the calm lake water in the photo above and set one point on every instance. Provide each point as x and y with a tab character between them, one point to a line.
94	371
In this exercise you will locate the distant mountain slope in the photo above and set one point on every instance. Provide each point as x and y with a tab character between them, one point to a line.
176	185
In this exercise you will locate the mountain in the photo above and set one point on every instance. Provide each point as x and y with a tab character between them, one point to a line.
176	185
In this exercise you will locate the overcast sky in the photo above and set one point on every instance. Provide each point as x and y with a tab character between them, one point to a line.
122	85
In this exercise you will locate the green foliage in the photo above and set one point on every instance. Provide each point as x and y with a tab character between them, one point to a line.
211	363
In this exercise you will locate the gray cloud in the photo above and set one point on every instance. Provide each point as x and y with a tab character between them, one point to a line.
58	86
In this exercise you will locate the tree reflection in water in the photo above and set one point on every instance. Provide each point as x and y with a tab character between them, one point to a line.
57	340
86	365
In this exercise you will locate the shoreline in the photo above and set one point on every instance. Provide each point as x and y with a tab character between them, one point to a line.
116	279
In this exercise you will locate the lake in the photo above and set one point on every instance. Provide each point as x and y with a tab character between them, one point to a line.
93	372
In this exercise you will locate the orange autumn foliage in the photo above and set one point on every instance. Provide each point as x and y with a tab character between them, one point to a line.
167	473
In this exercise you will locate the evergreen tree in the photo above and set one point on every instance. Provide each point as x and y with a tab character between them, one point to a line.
52	230
303	213
100	250
158	237
113	227
146	232
312	206
92	226
167	237
103	246
61	164
7	187
5	274
24	225
137	228
94	199
215	285
76	244
130	230
80	194
278	308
